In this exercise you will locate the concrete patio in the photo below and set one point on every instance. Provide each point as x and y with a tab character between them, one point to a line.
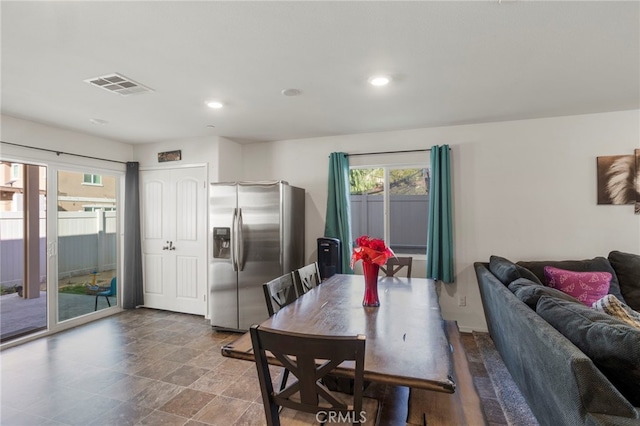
19	316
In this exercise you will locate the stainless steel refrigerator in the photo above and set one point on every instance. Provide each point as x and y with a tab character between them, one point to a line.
256	235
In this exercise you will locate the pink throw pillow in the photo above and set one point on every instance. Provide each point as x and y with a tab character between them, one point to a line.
587	287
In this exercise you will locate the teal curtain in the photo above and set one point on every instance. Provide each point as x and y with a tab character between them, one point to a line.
338	218
440	225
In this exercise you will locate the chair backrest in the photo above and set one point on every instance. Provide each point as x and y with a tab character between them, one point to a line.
279	292
113	286
307	277
308	358
395	264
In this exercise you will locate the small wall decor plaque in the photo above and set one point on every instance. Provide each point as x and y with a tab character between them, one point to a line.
169	156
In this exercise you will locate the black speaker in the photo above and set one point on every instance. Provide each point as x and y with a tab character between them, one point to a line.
329	257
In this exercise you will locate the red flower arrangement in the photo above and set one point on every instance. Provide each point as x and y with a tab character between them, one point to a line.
371	250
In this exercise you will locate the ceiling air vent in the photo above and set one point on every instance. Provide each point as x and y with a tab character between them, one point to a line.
119	84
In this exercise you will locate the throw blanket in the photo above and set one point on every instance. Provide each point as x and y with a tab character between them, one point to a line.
611	305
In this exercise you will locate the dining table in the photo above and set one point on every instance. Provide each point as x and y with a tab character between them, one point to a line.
406	338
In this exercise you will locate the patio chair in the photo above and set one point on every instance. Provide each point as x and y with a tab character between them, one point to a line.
109	292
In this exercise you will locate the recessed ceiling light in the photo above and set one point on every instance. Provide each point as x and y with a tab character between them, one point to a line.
291	92
215	104
98	121
379	80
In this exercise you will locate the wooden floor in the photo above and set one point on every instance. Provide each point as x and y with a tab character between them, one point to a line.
460	408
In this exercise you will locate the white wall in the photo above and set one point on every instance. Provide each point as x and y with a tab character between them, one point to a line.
222	156
229	161
522	189
24	132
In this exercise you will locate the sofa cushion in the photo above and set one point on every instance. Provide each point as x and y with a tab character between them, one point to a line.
530	292
587	287
611	344
597	264
611	306
507	271
627	267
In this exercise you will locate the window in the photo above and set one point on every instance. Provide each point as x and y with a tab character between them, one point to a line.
15	171
391	203
90	179
97	208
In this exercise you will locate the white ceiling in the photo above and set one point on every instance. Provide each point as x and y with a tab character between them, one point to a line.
451	63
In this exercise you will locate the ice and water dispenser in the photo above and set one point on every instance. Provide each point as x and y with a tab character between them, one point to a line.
221	243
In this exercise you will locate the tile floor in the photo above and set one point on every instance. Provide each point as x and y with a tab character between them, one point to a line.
140	367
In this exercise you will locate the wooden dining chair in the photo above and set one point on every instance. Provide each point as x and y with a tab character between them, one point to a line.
306	277
395	264
310	358
279	292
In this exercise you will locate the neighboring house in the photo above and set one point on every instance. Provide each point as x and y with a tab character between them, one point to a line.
85	192
12	186
76	191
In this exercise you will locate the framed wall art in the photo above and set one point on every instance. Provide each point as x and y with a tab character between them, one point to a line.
637	208
619	179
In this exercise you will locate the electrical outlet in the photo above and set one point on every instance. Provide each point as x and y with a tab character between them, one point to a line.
462	300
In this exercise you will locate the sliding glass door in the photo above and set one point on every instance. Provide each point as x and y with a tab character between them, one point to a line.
23	268
59	246
86	243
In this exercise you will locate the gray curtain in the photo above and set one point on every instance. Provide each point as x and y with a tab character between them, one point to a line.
440	223
132	290
338	217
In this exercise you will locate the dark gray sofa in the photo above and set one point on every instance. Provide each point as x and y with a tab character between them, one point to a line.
560	383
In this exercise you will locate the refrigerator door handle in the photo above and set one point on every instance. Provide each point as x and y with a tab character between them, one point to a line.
240	245
234	241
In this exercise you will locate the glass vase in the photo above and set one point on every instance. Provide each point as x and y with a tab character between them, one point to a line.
370	284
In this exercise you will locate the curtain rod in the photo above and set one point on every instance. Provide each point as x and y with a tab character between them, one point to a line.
58	153
391	152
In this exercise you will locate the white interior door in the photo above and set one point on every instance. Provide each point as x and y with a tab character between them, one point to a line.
174	239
